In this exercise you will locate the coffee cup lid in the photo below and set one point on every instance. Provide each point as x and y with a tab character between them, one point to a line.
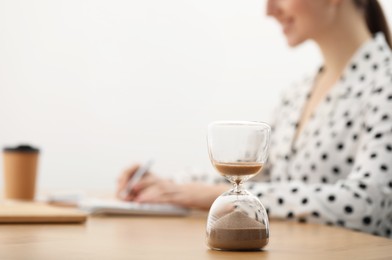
22	148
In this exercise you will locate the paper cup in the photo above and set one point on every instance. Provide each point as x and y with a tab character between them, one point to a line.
20	172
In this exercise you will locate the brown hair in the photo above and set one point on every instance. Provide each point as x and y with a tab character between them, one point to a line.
375	18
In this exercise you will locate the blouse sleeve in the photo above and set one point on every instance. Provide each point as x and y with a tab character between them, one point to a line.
362	200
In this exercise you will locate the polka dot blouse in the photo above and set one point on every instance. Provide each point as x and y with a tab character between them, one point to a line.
339	169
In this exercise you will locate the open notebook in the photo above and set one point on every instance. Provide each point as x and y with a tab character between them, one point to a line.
106	206
97	205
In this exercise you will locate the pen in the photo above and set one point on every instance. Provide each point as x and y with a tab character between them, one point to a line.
136	178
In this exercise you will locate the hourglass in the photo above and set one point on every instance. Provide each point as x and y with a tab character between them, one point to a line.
237	220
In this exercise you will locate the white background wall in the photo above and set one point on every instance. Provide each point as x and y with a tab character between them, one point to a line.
100	84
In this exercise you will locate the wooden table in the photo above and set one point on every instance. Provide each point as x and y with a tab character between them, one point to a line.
179	238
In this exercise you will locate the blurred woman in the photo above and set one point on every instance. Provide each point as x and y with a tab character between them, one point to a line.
331	152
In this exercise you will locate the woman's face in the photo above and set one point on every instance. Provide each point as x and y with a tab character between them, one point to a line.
302	19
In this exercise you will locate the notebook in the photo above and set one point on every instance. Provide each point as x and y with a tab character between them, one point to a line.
114	207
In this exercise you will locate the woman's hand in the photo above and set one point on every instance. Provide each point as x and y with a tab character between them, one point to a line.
191	195
122	183
152	189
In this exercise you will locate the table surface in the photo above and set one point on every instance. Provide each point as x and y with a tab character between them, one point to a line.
179	238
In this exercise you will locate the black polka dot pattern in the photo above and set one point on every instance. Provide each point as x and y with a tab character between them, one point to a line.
348	209
339	169
315	214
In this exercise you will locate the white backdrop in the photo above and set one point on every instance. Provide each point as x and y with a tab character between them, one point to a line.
100	84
